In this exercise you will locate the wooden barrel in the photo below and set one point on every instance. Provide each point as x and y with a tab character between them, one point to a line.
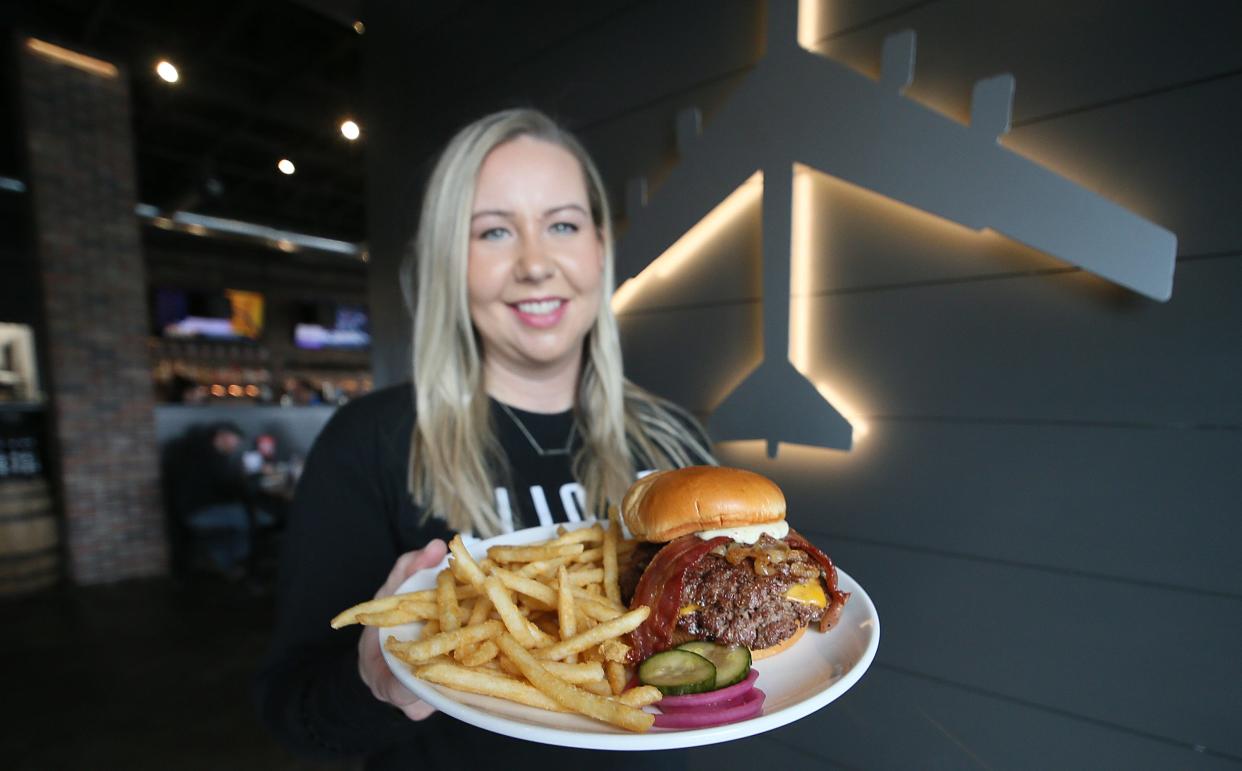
29	540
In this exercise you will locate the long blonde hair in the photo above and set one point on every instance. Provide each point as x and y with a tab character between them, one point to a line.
455	457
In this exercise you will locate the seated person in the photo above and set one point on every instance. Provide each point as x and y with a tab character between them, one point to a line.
211	495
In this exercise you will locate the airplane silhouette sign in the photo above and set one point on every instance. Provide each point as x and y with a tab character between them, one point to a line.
797	107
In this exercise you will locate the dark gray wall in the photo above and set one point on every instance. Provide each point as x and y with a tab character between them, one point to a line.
1046	506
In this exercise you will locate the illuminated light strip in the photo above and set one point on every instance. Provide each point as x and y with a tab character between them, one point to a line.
810	21
711	226
801	302
71	58
237	227
705	231
202	224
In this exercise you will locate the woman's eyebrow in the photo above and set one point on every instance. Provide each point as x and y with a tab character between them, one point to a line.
563	207
491	212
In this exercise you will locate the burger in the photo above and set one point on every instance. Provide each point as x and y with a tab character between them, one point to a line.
722	564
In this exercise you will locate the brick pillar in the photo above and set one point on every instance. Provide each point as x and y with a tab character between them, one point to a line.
80	173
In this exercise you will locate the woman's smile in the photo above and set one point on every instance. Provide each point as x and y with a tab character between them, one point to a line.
540	313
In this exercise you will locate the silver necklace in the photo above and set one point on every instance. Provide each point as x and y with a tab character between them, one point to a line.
535	445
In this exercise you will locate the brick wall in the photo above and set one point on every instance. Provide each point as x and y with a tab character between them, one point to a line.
81	178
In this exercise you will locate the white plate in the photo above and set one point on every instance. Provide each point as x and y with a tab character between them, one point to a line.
814	672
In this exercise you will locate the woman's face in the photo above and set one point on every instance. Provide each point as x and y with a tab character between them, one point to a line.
536	262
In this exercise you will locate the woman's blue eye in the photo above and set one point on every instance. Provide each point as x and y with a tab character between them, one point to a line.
564	227
492	234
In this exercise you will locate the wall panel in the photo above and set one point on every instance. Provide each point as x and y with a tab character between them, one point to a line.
1064	55
1136	657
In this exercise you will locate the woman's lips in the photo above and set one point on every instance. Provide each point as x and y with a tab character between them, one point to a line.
541	313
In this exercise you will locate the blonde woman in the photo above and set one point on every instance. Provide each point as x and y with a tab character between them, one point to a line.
518	415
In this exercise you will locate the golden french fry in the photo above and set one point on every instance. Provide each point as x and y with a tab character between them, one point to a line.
532	553
614	650
597	687
488	684
593	534
598	599
446	601
595	635
430	629
480	654
612	589
640	696
464	565
544	568
584	577
517	624
617	675
442	643
395	617
568	695
429	610
566	612
589	555
578	673
479	612
377	605
595	607
527	586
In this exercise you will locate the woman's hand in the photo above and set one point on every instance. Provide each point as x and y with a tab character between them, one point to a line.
375	673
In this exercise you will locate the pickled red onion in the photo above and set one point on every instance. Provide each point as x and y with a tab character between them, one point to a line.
747	706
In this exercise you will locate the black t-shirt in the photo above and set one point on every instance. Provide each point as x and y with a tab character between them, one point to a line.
542	490
351	518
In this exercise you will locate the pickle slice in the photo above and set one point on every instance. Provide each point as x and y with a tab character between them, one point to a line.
732	662
678	672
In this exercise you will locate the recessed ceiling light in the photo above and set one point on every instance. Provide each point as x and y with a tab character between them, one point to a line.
167	71
350	130
286	166
359	27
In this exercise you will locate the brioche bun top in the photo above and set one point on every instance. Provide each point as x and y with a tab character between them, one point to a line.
669	504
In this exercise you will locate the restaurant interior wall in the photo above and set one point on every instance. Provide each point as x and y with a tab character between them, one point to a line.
1045	506
287	282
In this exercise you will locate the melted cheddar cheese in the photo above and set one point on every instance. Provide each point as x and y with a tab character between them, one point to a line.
811	592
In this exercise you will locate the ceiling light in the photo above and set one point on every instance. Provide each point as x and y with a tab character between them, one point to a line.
166	70
350	130
359	27
286	166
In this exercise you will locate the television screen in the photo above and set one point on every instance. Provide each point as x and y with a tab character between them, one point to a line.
228	315
326	325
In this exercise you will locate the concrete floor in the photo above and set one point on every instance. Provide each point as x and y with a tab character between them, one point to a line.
144	674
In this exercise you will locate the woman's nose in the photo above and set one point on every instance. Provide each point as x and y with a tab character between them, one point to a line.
534	263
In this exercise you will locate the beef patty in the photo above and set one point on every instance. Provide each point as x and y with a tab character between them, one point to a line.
735	606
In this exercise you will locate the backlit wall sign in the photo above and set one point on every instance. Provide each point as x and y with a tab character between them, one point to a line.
797	107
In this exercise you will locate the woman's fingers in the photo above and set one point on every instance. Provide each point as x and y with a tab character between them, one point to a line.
371	666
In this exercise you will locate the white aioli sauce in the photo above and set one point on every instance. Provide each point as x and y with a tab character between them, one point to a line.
748	534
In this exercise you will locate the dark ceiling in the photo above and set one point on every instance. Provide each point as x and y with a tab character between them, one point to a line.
260	80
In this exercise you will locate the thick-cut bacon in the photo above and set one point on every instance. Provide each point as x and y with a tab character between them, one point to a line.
836	597
660	589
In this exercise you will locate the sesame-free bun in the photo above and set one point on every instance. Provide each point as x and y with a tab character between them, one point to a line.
669	504
783	645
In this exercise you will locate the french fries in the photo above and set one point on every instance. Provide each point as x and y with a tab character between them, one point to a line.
537	624
570	696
